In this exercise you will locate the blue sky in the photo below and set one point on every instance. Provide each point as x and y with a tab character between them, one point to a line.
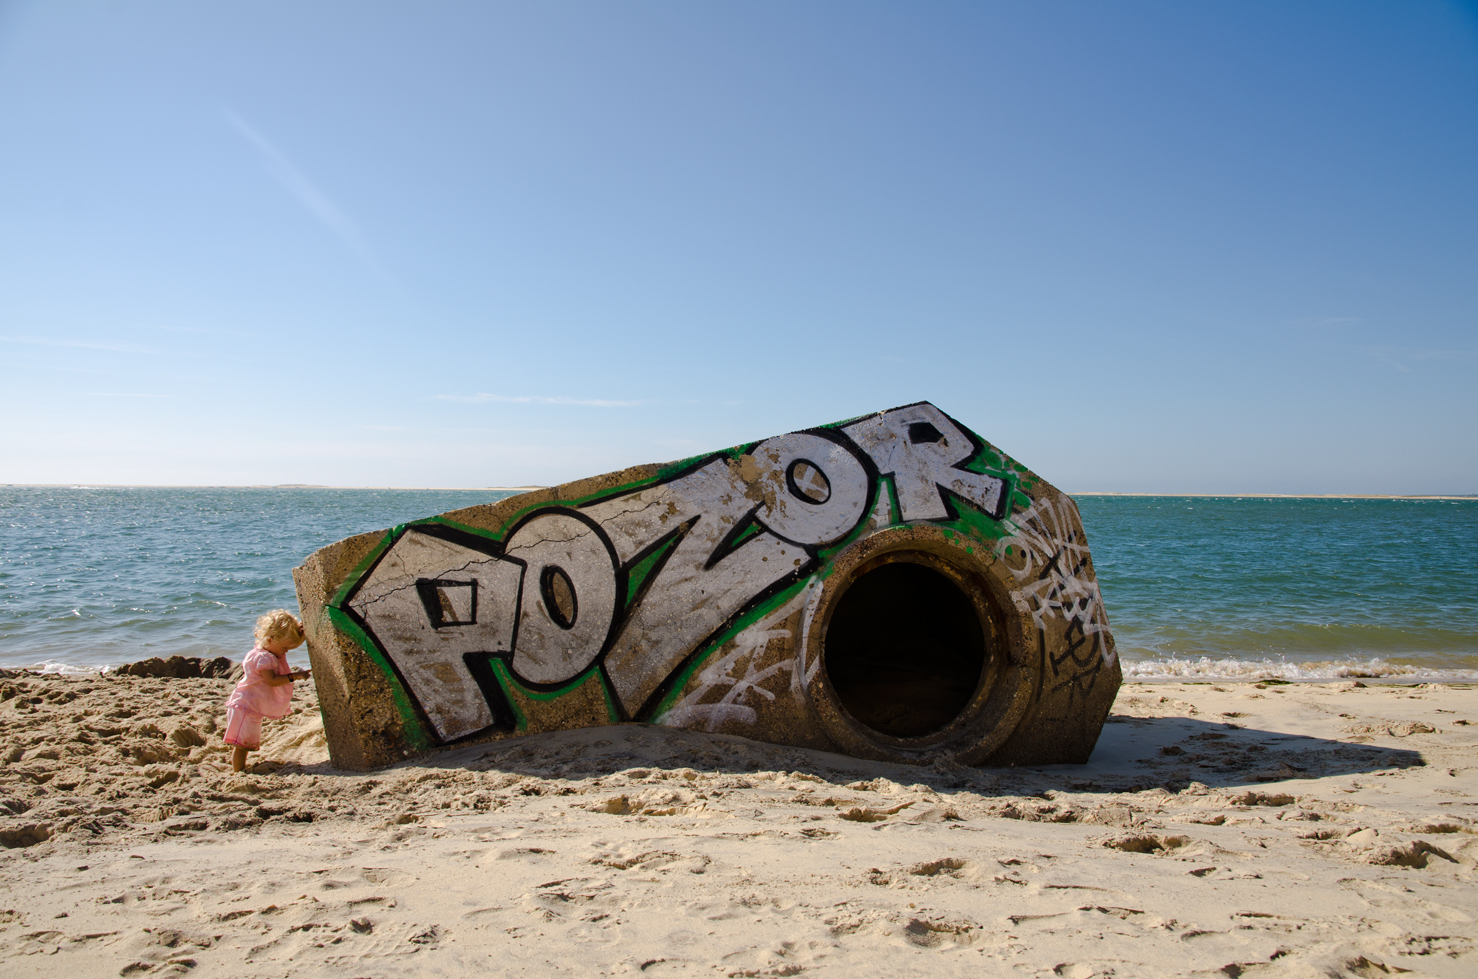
1155	247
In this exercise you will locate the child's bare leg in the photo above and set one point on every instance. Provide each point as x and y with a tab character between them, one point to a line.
238	758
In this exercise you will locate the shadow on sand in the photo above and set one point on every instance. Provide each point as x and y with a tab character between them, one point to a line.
1133	754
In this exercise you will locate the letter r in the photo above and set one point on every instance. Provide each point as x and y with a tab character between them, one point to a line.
922	448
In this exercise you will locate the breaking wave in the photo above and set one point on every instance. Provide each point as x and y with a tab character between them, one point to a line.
1206	668
65	669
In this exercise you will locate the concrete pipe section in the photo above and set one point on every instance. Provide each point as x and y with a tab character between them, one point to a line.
891	587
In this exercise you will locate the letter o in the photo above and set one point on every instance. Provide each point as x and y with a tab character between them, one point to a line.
553	648
817	514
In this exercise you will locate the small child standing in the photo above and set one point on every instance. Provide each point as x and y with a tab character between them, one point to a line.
267	688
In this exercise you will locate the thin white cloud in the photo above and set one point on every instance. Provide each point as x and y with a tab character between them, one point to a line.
523	399
122	394
1406	359
313	200
128	348
22	365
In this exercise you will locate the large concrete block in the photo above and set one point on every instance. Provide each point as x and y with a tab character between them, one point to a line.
892	587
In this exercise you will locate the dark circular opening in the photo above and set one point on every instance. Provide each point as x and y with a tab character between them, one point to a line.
904	650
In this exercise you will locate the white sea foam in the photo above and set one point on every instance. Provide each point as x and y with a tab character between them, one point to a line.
66	669
297	659
1206	668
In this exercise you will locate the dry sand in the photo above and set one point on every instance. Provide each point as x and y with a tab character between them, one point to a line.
1220	830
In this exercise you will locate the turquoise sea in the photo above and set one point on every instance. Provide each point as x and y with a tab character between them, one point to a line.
1291	588
1194	586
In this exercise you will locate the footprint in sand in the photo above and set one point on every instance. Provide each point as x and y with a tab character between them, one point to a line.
949	866
1072	970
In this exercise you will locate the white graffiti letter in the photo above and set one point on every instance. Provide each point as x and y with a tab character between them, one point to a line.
815	491
569	596
920	447
692	595
429	602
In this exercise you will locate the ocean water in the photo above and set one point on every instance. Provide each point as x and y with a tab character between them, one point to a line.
1290	588
1194	587
92	578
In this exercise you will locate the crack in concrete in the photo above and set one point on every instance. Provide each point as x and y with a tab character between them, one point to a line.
396	590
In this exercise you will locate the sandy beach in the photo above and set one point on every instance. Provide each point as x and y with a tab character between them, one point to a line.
1220	829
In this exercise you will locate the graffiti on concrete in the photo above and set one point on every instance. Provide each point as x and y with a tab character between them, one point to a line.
1047	554
739	671
637	589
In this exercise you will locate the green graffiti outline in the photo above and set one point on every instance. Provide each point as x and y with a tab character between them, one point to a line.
416	735
741	622
504	675
354	577
640	571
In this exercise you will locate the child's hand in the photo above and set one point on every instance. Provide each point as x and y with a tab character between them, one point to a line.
302	674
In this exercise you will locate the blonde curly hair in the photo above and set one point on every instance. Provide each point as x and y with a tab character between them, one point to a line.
280	624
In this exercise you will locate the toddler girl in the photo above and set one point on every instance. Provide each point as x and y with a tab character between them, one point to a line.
267	688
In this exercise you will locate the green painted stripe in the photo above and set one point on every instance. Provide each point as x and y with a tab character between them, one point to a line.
505	680
416	734
353	577
673	468
753	529
464	528
513	690
663	474
893	498
638	573
740	624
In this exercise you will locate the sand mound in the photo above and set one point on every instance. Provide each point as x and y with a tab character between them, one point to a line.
181	667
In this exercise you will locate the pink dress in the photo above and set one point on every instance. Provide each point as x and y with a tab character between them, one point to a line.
253	699
252	693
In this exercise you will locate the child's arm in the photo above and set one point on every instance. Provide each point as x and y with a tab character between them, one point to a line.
274	679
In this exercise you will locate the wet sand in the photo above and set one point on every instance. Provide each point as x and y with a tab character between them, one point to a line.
1220	830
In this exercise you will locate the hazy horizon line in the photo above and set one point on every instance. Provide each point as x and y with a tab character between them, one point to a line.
532	487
